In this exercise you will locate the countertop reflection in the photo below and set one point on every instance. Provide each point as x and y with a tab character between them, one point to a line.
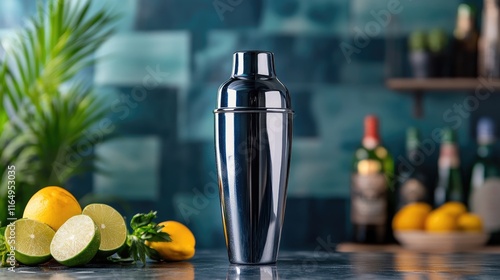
291	265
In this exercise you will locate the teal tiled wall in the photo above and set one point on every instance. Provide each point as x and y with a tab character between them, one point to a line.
169	58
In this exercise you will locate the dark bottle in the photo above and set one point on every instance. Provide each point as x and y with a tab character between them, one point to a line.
484	166
412	180
465	43
449	186
371	175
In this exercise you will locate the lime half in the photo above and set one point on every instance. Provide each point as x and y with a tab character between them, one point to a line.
112	226
32	241
76	242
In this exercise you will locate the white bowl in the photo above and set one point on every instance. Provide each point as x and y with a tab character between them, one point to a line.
441	242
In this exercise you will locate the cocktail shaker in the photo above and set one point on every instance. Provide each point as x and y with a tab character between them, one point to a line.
253	139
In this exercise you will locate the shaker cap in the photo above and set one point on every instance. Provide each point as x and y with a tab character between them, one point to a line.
253	85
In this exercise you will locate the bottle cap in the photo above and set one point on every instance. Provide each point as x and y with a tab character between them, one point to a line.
485	131
371	138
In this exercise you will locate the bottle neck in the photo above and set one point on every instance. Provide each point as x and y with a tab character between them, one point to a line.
485	150
253	65
449	157
371	139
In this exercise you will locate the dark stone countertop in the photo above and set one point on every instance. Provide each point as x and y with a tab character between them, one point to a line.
291	265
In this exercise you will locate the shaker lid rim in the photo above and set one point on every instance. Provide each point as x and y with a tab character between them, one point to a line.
253	110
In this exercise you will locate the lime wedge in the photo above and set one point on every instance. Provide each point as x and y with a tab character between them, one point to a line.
112	226
32	241
76	242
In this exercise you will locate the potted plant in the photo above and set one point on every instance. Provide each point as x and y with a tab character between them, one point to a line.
46	108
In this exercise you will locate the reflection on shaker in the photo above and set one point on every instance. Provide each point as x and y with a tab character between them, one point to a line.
253	138
245	272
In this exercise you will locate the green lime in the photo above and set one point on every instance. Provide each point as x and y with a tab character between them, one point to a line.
76	242
32	241
112	226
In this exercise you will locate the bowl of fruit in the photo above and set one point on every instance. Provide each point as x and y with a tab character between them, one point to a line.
448	228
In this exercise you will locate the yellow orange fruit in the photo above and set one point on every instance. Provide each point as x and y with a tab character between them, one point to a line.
182	245
441	221
411	217
53	206
470	222
454	208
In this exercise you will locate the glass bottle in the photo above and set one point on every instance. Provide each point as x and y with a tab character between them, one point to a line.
412	180
449	186
370	187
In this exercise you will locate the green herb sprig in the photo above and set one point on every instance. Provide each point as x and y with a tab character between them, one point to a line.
144	229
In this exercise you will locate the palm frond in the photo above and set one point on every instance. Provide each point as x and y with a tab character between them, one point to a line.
58	42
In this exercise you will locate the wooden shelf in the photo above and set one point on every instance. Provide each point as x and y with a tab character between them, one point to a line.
418	86
441	84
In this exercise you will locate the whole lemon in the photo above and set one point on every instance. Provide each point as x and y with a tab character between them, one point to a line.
440	221
53	206
182	245
454	208
411	216
470	222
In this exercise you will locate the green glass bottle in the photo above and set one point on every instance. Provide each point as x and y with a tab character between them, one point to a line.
370	187
413	185
449	186
484	166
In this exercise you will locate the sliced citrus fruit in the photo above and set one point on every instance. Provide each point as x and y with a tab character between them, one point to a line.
112	226
76	242
32	241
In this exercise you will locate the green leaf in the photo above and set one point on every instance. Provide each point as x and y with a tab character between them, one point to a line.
140	220
144	229
161	237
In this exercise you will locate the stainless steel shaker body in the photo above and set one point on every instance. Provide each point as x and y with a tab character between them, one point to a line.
253	138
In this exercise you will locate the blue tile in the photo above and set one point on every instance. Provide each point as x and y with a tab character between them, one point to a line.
150	59
306	17
133	173
408	16
197	15
298	59
138	111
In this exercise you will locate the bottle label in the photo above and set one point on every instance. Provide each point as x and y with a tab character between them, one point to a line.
369	199
412	191
448	157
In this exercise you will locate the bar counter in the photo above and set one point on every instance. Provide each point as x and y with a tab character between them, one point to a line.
323	263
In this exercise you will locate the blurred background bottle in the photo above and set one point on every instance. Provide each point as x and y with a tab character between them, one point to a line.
485	180
413	185
484	166
373	168
489	44
449	186
465	43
